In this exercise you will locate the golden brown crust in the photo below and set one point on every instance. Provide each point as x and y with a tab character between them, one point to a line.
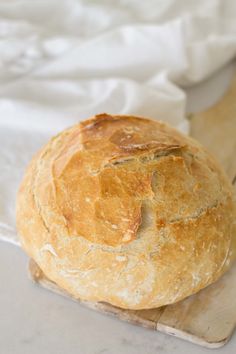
128	211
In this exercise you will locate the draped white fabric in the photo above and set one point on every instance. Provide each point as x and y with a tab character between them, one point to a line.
64	60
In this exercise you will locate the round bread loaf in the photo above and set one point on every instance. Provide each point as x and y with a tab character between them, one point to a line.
128	211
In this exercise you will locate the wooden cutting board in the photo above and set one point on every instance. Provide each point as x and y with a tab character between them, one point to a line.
209	317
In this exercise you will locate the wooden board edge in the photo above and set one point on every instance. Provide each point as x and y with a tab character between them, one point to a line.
191	338
37	276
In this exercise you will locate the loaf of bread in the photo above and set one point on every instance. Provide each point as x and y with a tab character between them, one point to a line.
128	211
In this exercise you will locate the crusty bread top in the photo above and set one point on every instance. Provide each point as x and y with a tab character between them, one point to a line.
105	169
127	196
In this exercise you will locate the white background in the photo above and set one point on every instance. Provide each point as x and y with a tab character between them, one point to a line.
64	60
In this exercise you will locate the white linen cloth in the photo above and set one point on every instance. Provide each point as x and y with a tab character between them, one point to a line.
64	60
